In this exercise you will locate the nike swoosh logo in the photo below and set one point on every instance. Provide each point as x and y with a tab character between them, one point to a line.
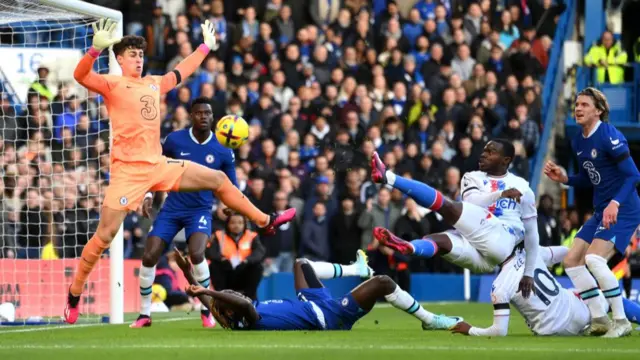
580	152
184	154
615	142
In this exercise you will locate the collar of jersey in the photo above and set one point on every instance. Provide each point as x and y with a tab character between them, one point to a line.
498	177
593	131
196	140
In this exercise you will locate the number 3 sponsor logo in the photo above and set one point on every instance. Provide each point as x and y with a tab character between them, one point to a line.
149	111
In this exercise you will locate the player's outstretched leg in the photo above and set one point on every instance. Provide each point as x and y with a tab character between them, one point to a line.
610	287
426	247
423	194
153	249
110	221
197	245
326	270
198	177
367	293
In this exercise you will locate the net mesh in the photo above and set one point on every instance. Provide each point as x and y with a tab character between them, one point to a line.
54	155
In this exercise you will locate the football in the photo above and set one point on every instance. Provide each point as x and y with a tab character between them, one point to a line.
232	131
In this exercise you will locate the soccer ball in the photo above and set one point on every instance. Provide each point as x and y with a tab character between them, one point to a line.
232	131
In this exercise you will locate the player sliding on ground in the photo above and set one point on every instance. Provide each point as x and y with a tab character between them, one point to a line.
316	308
498	211
189	211
552	311
137	163
606	165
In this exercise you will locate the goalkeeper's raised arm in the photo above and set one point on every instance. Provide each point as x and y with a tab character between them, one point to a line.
129	53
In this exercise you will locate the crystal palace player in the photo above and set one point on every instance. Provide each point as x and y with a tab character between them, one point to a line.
497	213
189	211
315	308
137	163
552	311
605	165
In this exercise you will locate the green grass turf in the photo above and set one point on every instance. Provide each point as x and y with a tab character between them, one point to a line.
385	333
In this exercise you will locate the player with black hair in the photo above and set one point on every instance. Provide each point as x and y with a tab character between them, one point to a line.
188	211
497	212
315	308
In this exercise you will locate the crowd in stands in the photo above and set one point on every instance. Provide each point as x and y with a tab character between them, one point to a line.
323	84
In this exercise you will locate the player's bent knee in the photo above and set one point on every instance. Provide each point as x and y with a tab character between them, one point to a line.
217	178
196	257
385	282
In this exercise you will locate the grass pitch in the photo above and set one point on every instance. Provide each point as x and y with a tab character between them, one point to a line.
386	333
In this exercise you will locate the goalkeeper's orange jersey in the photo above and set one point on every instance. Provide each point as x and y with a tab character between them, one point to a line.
134	107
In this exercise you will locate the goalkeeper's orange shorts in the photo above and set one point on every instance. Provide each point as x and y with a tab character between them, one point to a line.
130	181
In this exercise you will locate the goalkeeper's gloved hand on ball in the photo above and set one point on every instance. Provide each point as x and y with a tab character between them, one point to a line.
209	34
103	36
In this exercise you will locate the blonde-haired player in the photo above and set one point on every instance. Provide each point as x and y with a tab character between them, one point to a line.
137	164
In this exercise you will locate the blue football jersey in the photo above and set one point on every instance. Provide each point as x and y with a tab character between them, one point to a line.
598	158
183	145
283	315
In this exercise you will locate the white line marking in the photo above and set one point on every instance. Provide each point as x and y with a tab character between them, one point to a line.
80	326
317	347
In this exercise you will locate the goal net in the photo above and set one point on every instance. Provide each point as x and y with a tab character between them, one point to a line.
54	150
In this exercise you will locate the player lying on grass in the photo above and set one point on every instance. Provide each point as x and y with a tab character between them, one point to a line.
315	308
489	222
605	164
189	211
552	310
137	163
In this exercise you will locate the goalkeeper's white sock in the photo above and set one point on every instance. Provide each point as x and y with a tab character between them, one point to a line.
147	276
201	274
402	300
325	270
588	289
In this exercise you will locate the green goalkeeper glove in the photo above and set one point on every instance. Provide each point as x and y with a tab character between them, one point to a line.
103	36
209	34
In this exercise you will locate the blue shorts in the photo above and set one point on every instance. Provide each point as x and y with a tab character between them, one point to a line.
169	223
620	233
339	313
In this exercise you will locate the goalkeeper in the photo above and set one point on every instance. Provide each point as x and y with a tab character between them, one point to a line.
137	163
315	308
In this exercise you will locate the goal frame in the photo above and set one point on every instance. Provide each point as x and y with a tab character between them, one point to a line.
116	251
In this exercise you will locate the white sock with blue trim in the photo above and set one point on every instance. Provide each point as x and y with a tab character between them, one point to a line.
608	283
147	275
201	274
325	270
402	300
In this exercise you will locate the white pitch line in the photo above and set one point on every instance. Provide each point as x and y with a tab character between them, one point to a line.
318	347
80	326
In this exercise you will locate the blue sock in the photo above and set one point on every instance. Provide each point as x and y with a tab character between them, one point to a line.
632	310
422	193
424	248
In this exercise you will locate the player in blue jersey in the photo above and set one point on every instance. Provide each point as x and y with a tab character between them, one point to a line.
181	210
606	165
315	308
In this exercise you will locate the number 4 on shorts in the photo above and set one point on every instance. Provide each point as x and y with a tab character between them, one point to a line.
203	221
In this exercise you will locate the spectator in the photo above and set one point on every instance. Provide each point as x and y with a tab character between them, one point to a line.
382	213
314	244
608	58
280	247
548	225
344	232
235	256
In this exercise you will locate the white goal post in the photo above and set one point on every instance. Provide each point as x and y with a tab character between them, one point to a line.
37	257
